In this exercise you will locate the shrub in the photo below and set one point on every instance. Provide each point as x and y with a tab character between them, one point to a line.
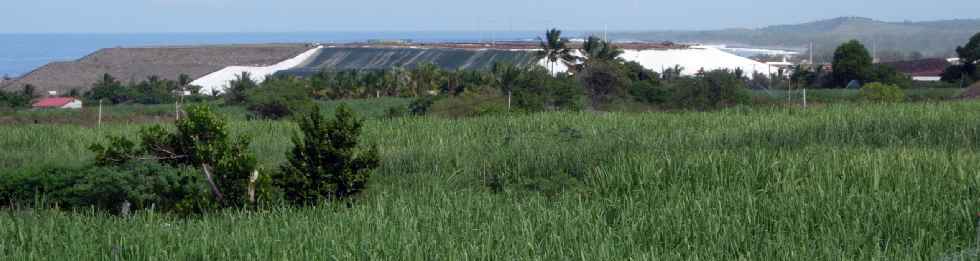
879	92
421	106
325	163
201	141
141	186
469	104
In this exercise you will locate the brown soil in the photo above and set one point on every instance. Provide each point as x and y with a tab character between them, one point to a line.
135	64
972	92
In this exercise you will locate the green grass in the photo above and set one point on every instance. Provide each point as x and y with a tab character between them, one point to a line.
847	181
851	95
164	113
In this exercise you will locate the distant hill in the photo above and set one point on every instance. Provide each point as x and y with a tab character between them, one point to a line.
930	38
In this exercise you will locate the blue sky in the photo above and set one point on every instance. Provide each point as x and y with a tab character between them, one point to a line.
75	16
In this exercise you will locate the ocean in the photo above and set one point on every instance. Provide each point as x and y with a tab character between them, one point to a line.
21	53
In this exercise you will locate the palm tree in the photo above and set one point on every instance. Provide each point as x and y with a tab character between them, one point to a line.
426	77
595	48
555	49
506	76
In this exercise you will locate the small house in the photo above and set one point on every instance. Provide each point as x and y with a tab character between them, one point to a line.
923	69
58	103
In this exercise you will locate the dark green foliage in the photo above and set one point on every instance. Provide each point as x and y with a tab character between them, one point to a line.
237	89
326	162
152	90
421	106
649	92
889	75
603	82
279	98
119	151
636	72
143	186
539	91
970	53
956	74
596	49
155	90
200	141
851	62
108	89
710	90
20	99
966	72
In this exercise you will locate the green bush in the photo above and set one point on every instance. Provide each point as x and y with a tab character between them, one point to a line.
879	92
200	141
326	162
142	186
421	106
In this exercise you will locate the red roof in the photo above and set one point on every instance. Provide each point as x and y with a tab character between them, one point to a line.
57	102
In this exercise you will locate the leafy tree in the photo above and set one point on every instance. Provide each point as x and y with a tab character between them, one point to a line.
326	162
555	49
969	56
237	88
851	62
603	81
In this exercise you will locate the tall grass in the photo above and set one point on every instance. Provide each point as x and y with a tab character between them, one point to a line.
853	181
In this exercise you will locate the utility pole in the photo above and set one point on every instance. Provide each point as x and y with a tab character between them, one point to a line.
605	33
811	56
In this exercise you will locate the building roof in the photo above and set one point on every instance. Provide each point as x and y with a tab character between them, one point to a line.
54	102
924	67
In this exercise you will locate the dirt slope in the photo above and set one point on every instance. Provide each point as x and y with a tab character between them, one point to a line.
134	64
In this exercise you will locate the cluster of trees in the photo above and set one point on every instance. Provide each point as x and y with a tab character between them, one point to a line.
596	79
21	99
198	166
152	90
851	63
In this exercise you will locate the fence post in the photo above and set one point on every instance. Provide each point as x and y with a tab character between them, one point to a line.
804	98
100	113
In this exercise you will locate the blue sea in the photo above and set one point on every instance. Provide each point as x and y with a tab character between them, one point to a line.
21	53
